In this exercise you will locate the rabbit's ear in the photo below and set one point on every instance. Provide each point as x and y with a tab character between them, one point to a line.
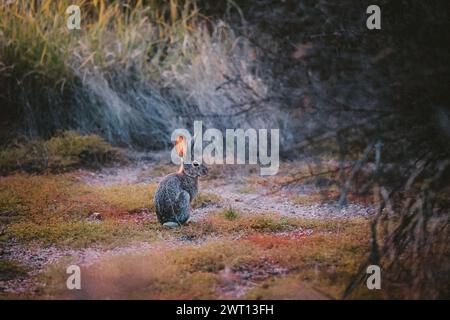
180	146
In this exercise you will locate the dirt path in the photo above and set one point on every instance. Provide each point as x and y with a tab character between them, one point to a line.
233	193
263	201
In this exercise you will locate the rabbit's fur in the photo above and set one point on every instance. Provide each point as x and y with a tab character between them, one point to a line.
176	191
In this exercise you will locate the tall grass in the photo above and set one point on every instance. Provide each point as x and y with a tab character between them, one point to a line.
113	34
134	72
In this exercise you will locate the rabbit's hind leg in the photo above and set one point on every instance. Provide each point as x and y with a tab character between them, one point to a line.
182	204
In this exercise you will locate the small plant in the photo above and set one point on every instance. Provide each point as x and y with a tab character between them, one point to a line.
230	214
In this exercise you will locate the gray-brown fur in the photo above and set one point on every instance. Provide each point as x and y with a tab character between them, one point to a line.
176	191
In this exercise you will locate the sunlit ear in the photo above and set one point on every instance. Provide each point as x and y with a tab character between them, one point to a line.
180	146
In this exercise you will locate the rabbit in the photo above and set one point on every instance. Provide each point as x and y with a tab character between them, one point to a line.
176	191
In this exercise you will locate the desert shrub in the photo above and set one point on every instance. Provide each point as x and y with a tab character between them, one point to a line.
66	151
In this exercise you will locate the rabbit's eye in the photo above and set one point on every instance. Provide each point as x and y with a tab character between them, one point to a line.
195	164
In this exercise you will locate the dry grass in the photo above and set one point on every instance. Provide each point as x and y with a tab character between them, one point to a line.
224	223
153	275
39	39
292	287
66	151
247	189
316	262
58	197
53	209
82	234
307	199
118	198
328	194
204	199
37	198
162	170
